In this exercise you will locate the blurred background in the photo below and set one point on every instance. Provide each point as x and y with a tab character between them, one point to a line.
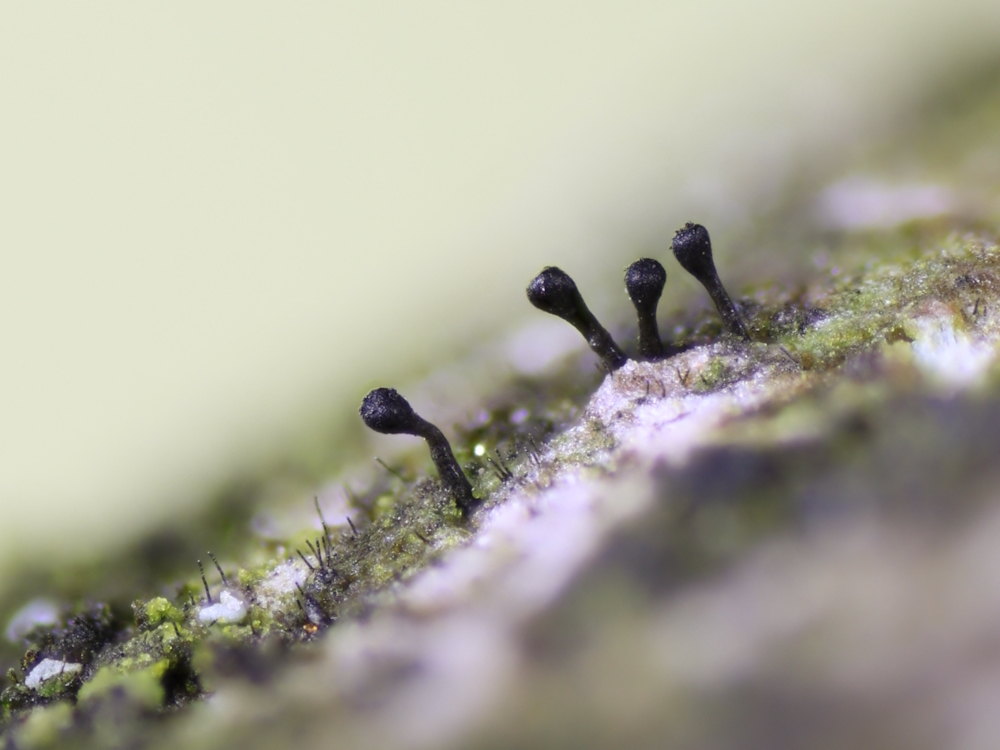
219	226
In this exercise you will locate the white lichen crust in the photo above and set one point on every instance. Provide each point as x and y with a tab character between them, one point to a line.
47	669
445	603
229	610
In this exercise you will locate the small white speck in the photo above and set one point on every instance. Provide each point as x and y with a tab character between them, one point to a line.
46	669
479	450
228	610
948	353
281	583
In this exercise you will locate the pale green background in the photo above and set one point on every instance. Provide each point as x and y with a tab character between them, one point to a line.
197	200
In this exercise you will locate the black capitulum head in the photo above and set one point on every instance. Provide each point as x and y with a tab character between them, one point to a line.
385	411
693	250
644	282
554	292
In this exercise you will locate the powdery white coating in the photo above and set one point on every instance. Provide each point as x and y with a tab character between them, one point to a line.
34	613
450	637
947	353
280	584
460	653
650	408
529	547
653	407
229	610
461	649
46	669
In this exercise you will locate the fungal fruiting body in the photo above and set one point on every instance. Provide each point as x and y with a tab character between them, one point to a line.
385	411
644	282
693	250
554	292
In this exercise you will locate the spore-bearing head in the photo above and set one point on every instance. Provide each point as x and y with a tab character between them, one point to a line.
554	292
693	250
385	411
644	282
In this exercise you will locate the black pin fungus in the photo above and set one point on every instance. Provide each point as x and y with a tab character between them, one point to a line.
554	292
693	250
385	411
644	281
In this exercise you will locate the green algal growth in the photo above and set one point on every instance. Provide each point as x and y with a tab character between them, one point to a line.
170	654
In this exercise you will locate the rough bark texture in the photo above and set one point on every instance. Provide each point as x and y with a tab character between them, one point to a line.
788	543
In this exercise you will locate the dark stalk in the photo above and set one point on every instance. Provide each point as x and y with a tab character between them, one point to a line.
497	469
299	552
208	594
385	411
554	292
644	282
503	464
326	529
693	250
316	553
225	581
